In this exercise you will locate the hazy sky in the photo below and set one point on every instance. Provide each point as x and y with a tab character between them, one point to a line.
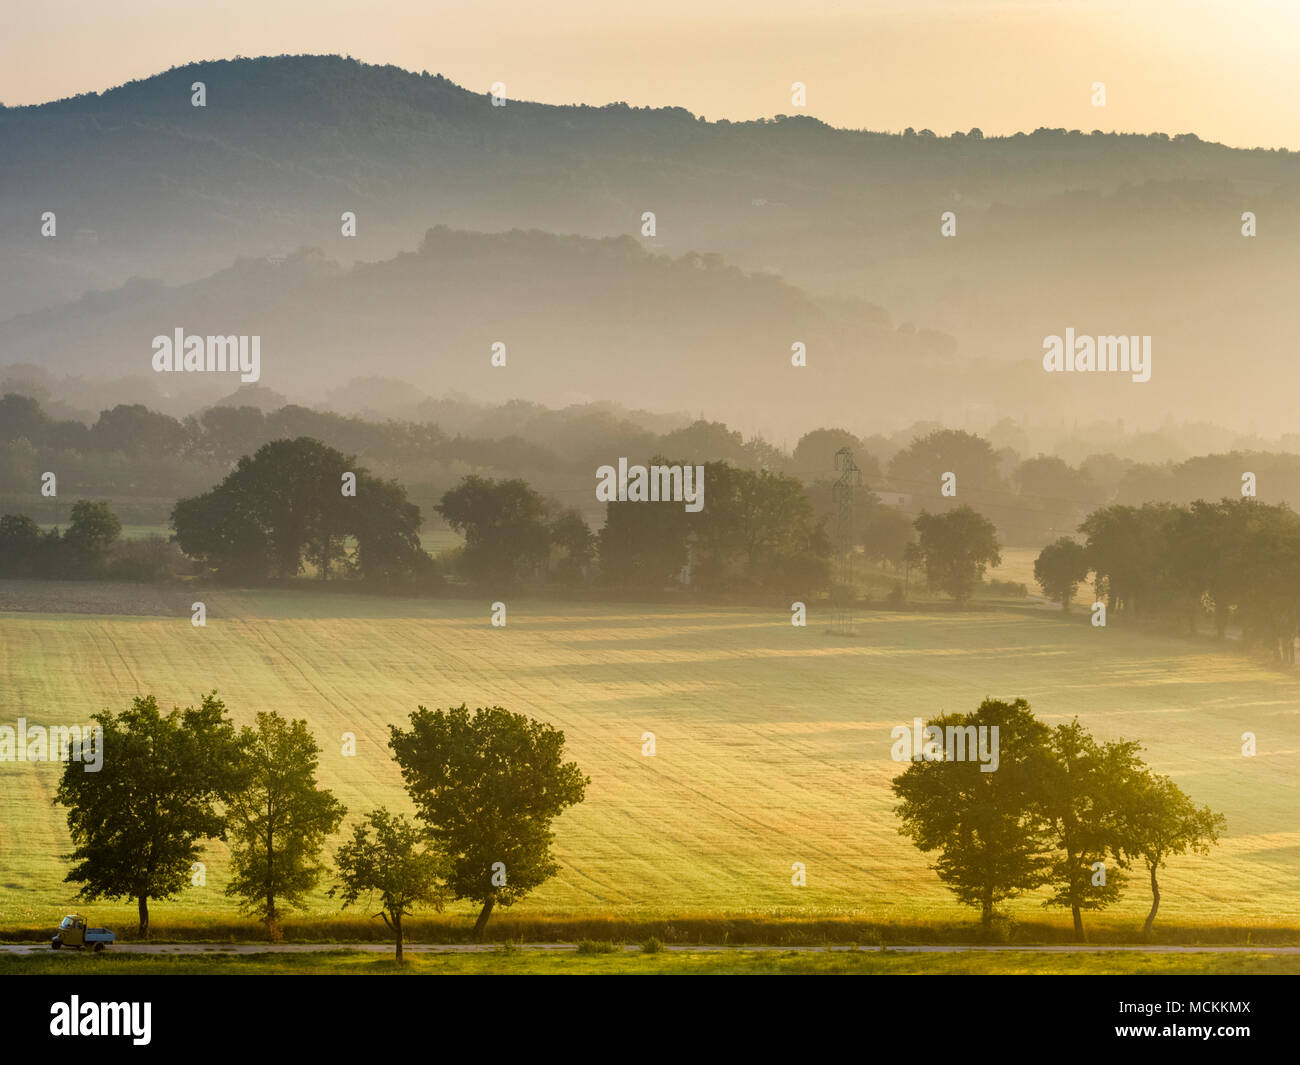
1227	70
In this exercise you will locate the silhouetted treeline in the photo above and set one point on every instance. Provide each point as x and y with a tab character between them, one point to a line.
1010	806
90	547
143	460
300	507
1235	562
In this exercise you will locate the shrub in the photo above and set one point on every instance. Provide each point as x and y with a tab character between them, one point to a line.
151	558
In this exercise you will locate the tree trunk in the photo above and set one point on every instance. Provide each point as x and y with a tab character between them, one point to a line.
397	926
1078	921
986	911
483	916
144	916
272	927
1155	903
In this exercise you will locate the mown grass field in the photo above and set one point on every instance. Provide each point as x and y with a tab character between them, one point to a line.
772	741
522	962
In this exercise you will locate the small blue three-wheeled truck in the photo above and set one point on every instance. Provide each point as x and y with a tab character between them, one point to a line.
74	933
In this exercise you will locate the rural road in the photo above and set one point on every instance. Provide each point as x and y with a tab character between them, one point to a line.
471	948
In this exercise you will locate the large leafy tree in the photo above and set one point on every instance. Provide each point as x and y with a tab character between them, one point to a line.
814	454
956	547
138	823
987	828
387	531
488	784
1200	538
93	531
1060	568
396	864
1128	548
886	533
294	488
1266	574
284	504
278	818
757	530
505	524
575	542
1156	821
1080	785
919	467
21	418
1051	479
20	539
134	429
643	545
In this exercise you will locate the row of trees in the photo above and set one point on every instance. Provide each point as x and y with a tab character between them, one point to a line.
298	502
1234	560
514	535
486	785
138	455
534	436
1062	810
83	550
291	505
755	533
758	532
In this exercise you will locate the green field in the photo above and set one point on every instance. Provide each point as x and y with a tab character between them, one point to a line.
773	741
522	962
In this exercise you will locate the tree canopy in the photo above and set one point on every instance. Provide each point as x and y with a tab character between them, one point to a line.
278	818
396	867
487	785
138	823
956	546
286	504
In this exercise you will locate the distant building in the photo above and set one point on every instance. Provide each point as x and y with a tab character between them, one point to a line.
685	573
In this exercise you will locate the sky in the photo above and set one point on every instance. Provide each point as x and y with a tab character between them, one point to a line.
1226	70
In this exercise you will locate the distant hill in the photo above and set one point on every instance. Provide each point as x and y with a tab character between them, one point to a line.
582	320
1099	232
